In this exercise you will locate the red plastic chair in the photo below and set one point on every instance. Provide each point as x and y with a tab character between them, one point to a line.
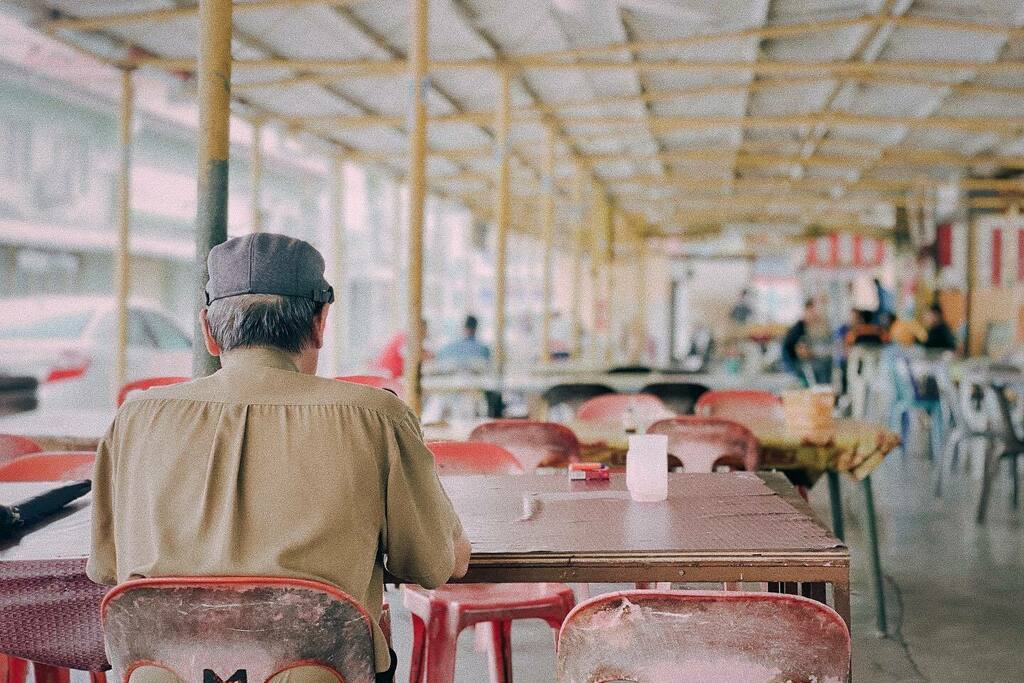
702	636
473	457
14	446
439	615
242	628
50	466
376	381
147	383
704	443
39	466
616	407
743	406
535	444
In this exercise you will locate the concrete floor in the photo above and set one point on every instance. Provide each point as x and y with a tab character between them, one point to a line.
954	590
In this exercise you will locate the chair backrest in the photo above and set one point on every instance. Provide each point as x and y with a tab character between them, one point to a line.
654	636
14	446
703	443
227	625
645	408
473	457
902	376
678	396
376	381
573	395
533	443
739	405
50	466
147	383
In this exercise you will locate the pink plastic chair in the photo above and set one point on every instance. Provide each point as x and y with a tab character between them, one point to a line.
473	457
39	466
51	466
535	444
439	615
743	406
704	443
14	446
616	407
376	381
147	383
654	636
237	628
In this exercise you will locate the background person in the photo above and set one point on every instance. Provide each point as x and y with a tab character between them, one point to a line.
263	469
940	335
467	352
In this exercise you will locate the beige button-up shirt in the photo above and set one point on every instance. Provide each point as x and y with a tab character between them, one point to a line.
261	470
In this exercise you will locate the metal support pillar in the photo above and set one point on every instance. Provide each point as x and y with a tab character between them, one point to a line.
419	82
214	83
502	125
549	238
256	198
577	275
338	321
122	282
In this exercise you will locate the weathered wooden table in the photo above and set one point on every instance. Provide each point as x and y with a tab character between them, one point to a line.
713	528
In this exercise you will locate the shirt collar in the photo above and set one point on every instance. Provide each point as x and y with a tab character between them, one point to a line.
260	357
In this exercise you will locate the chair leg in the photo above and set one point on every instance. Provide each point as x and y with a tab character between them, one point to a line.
835	499
946	459
499	655
441	646
936	437
45	673
419	637
17	670
988	473
97	677
1014	481
905	429
876	561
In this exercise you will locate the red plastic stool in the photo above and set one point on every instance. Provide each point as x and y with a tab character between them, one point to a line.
438	616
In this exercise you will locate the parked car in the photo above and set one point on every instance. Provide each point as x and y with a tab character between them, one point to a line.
67	343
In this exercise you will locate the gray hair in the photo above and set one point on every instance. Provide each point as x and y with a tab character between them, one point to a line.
246	320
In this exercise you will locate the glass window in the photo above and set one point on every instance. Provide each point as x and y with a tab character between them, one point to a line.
167	336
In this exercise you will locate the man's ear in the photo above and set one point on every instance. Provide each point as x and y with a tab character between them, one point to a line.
319	325
211	344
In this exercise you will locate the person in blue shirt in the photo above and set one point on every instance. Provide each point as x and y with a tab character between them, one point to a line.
467	351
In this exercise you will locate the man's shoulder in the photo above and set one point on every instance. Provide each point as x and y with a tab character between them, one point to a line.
283	388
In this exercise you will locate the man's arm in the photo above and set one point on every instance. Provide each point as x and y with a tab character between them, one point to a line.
102	564
463	550
425	543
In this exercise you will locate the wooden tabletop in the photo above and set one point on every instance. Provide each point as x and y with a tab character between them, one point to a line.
535	515
723	527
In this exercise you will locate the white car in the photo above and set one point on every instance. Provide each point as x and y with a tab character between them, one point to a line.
67	342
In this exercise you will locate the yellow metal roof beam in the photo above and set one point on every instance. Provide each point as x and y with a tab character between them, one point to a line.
172	13
363	68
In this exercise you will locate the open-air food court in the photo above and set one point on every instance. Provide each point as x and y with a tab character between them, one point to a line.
573	341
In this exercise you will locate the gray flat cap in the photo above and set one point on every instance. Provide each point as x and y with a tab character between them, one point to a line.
267	263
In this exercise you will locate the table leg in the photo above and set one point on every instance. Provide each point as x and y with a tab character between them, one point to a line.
836	500
841	598
876	561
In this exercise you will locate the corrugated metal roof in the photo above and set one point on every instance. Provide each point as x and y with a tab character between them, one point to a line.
666	103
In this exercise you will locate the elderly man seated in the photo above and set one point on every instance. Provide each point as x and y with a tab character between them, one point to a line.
264	469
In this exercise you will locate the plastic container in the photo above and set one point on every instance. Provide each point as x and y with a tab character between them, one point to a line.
647	468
